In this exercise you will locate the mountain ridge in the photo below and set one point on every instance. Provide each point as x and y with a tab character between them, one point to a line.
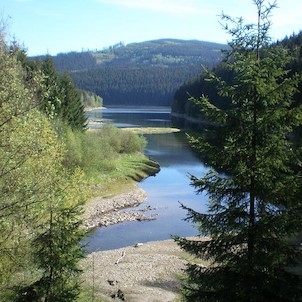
140	73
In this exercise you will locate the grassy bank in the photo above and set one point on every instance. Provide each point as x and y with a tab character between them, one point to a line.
129	169
112	159
121	167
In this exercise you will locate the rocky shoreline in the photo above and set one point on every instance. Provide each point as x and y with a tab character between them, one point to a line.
105	211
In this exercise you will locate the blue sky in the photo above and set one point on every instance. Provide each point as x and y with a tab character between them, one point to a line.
53	26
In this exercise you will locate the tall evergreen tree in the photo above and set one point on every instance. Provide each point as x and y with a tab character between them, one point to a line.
51	102
60	98
254	212
56	249
57	253
72	109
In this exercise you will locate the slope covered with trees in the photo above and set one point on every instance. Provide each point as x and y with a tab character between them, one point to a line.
146	73
200	85
48	165
36	191
253	221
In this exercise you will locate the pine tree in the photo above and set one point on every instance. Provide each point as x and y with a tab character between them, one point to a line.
56	249
52	92
254	212
72	109
58	252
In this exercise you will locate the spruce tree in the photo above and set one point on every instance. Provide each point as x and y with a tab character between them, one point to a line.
57	249
72	109
52	93
58	252
60	98
254	211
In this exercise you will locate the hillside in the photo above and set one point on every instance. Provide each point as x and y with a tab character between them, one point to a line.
146	73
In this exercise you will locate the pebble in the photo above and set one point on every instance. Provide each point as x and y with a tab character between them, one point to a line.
109	211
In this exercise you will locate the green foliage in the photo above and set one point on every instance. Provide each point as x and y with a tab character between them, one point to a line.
60	98
72	107
91	100
51	90
33	183
254	212
28	149
55	248
96	150
57	254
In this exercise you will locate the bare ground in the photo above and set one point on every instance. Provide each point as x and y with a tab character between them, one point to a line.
146	273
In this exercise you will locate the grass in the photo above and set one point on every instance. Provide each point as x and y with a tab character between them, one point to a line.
128	170
112	159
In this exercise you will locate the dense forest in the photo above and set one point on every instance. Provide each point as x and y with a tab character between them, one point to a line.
202	86
146	73
146	85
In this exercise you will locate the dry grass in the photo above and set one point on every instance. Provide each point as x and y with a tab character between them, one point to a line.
152	130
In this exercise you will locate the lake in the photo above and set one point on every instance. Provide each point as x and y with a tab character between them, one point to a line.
166	190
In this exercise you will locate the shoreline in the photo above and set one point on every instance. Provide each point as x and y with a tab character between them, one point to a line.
105	211
118	207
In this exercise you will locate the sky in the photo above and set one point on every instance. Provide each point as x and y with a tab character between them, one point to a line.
58	26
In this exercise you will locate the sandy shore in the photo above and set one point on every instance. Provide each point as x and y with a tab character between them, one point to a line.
146	273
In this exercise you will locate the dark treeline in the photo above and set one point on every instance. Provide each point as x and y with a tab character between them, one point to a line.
144	85
73	61
196	88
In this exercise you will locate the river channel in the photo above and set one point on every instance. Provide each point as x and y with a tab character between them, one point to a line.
166	190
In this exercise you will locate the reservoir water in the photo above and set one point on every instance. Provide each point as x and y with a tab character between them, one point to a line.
166	190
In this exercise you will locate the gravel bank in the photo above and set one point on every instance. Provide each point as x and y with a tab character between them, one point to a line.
102	211
146	273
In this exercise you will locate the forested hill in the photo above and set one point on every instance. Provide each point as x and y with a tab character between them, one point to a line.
146	73
200	86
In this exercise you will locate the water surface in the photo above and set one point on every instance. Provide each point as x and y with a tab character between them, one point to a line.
166	190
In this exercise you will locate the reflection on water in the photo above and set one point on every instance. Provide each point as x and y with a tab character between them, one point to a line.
166	190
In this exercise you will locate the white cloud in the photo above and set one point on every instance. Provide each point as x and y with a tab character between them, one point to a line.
165	6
